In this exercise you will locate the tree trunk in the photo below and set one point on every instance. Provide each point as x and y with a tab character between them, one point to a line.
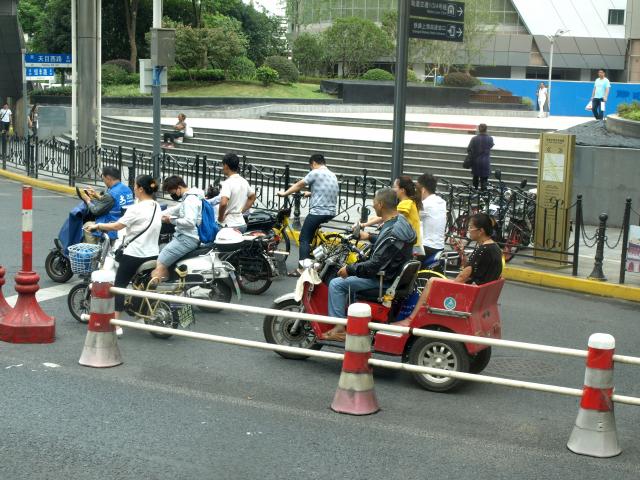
131	18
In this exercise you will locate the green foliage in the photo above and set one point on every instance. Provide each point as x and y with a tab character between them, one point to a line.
56	91
53	32
177	74
133	79
241	68
629	111
412	76
266	75
311	79
461	79
356	43
122	63
287	71
114	75
307	53
208	75
527	101
30	14
378	75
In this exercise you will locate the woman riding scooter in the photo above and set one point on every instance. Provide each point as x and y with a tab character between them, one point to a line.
143	223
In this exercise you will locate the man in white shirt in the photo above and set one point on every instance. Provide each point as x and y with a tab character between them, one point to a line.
433	215
236	195
600	93
5	118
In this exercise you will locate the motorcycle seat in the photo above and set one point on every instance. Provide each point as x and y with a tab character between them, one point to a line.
196	253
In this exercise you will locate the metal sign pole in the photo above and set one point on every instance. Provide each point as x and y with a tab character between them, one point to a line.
156	90
400	101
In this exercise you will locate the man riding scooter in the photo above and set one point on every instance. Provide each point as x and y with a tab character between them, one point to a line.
392	248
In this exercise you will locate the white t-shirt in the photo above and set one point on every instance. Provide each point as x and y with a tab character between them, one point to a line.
237	190
136	219
433	218
5	115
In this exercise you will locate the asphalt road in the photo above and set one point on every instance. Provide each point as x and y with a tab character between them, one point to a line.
184	409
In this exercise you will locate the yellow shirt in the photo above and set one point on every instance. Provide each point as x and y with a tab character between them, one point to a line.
410	211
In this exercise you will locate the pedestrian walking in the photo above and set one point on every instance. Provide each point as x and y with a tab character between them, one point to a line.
6	116
322	206
600	94
542	100
479	150
236	195
33	120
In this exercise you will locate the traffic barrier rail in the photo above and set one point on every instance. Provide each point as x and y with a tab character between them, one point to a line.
382	327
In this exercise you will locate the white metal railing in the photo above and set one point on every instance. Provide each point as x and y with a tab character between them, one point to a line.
573	392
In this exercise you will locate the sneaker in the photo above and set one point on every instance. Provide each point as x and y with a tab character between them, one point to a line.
119	331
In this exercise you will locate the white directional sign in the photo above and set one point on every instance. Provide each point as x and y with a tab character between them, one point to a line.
48	60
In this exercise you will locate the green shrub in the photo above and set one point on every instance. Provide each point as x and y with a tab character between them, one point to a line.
178	75
122	63
287	71
629	111
412	76
461	79
133	79
527	101
266	75
113	75
208	75
241	68
55	91
378	75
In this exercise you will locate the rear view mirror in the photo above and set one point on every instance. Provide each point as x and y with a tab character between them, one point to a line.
498	174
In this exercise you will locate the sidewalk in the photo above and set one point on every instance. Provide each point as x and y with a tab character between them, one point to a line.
520	269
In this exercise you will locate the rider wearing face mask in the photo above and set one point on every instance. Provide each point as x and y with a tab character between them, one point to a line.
186	216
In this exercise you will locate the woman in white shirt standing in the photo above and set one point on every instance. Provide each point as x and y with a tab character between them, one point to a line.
142	221
542	100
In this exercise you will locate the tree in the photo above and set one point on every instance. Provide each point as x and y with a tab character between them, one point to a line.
356	43
131	20
54	28
307	53
30	14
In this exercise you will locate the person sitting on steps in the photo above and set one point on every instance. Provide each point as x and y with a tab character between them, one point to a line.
179	130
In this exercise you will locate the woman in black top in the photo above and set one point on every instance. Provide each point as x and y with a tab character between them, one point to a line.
484	264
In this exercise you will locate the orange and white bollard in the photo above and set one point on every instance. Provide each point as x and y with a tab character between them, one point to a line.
26	322
101	344
355	394
595	432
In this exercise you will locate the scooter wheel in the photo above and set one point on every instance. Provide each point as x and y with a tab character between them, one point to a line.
442	354
78	301
284	331
163	317
58	267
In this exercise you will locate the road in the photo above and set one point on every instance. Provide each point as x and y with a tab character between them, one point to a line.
183	409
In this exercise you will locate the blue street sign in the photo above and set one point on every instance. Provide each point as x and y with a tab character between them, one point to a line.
51	60
33	72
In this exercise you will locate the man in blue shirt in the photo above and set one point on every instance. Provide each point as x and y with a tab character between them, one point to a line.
600	94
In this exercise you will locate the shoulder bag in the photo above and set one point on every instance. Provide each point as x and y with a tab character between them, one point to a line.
119	253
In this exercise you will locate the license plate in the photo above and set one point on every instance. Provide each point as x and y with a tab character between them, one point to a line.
183	315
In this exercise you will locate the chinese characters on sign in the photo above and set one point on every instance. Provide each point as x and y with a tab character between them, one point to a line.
436	30
440	10
37	73
48	60
436	20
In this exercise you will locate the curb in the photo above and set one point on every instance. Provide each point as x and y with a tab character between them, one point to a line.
551	280
38	183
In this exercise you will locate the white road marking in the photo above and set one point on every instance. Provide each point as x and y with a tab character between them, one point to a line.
11	366
46	293
51	365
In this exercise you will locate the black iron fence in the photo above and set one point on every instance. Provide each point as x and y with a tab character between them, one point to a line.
515	209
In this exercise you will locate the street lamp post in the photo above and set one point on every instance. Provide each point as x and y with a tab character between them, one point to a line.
552	41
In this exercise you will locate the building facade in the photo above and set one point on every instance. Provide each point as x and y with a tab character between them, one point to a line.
599	34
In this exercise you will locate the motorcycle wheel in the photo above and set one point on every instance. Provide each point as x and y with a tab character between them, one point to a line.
162	318
79	301
444	354
277	331
253	274
58	267
220	292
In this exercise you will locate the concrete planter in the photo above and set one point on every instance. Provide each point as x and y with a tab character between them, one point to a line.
622	126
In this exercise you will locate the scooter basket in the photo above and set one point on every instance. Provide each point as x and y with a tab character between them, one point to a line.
84	257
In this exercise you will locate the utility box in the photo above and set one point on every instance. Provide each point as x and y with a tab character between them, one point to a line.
146	77
163	47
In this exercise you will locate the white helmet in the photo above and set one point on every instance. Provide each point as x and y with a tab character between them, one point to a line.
228	236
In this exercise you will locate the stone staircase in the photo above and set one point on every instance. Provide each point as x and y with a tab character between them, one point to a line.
344	156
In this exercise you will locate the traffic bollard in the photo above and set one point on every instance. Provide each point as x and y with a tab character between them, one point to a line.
4	306
101	344
26	322
597	273
355	394
595	432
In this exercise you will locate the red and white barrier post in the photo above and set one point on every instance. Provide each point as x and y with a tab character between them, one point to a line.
355	394
101	344
4	306
595	432
27	323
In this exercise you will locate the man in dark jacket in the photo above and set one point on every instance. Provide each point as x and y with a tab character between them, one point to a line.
391	249
479	150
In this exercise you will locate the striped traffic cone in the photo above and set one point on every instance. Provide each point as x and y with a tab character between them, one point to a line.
595	432
101	345
355	394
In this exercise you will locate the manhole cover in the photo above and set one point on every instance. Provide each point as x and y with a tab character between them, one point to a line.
520	367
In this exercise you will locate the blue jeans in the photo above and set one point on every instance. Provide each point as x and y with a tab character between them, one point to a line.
596	108
309	227
339	290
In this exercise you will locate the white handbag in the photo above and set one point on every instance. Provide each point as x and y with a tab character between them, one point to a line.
188	132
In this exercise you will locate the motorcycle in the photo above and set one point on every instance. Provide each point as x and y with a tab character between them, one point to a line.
452	307
201	274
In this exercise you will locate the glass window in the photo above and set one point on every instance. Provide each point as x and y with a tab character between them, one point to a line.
616	17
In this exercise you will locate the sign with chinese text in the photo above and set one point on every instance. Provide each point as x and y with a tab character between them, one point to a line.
435	30
48	60
37	73
453	11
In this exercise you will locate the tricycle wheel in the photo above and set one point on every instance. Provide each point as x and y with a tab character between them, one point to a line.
480	360
289	331
58	267
443	354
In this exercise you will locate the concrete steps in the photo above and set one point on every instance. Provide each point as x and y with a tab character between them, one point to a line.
345	156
